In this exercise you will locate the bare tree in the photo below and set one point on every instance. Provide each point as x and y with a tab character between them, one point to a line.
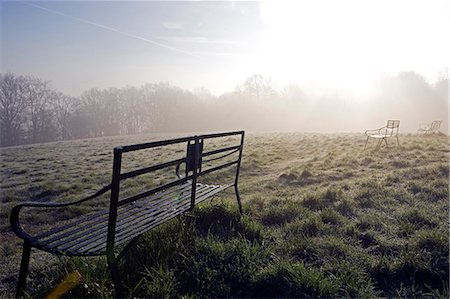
259	87
64	108
92	112
38	96
12	107
132	110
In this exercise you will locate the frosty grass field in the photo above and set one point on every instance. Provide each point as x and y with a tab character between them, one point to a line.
323	218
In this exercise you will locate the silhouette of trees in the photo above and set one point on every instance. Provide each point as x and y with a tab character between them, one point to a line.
259	87
12	108
31	111
64	108
38	96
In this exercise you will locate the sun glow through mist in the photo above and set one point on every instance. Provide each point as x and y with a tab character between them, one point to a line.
342	44
349	43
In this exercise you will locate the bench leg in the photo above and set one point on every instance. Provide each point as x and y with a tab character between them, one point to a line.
113	268
379	144
22	282
367	140
127	247
238	198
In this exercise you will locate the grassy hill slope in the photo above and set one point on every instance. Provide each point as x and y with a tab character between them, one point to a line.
323	218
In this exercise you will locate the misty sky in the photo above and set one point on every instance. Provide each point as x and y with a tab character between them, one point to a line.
216	45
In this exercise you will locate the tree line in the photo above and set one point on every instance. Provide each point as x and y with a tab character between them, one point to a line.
31	111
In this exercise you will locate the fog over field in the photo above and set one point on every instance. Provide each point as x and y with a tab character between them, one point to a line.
43	114
75	70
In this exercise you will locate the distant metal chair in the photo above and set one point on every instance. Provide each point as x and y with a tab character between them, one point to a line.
432	128
382	134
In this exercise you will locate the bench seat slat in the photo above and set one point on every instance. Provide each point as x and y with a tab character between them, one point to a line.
72	229
123	238
160	213
151	222
211	193
128	221
125	213
83	225
87	235
143	211
101	246
145	215
70	223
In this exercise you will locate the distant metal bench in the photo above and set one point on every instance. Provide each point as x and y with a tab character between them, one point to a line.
432	128
102	232
382	134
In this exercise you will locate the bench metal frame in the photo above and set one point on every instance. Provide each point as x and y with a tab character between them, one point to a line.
184	182
383	133
432	128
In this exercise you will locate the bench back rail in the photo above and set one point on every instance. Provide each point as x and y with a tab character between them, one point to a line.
193	162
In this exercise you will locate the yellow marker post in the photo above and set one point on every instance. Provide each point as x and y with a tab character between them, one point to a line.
69	282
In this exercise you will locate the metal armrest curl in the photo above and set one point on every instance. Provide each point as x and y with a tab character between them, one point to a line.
424	127
14	216
376	131
177	170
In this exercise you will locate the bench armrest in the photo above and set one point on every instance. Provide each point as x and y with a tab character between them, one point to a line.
376	131
177	170
424	127
14	216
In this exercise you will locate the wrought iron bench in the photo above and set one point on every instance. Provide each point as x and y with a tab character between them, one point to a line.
432	128
382	134
105	232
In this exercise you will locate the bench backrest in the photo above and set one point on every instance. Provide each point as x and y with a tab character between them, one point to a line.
392	127
435	125
193	161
